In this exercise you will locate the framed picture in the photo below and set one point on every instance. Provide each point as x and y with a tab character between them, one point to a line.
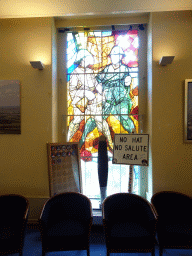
10	116
188	111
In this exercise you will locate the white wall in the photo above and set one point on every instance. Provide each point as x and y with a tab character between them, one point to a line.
73	8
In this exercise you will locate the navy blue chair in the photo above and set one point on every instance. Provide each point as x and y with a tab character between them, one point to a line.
13	223
129	224
174	227
65	223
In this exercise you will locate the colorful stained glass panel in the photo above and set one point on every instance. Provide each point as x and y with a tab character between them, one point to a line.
102	75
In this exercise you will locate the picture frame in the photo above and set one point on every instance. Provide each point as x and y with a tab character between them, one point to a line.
188	111
10	107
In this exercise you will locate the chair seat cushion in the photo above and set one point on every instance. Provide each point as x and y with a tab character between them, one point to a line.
130	229
66	228
130	236
179	228
10	240
175	234
131	243
7	232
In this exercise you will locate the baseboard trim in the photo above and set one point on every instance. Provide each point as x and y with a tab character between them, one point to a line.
32	224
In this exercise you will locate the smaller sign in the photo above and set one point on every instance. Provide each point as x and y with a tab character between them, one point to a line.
131	149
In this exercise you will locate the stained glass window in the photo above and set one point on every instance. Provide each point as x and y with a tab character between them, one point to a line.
102	82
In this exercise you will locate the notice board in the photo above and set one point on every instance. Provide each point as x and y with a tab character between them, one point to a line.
64	168
131	149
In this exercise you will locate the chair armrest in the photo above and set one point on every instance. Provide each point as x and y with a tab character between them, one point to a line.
27	211
154	211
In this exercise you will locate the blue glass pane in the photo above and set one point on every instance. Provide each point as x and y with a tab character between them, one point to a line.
106	33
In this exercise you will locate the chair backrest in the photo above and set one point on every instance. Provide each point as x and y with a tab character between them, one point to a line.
13	207
172	205
123	207
69	205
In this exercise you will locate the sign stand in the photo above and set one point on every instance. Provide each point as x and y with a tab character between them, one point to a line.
131	169
130	188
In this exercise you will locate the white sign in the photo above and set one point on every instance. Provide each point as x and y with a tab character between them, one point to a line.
131	149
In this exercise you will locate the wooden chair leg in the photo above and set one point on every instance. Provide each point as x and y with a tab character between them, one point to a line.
153	252
21	251
160	251
88	252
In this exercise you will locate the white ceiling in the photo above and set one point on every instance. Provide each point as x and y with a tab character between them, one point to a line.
84	8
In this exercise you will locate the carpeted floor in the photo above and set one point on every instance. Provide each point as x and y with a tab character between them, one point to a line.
32	247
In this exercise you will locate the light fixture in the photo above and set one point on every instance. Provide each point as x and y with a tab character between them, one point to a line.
166	60
37	64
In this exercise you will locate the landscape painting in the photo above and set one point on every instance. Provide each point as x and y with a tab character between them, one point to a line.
10	116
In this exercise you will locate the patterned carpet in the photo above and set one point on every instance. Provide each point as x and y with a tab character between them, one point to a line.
32	247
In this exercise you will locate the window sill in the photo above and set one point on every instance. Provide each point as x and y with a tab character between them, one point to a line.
97	212
97	217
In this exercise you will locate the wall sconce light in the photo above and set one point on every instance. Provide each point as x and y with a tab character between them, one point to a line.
166	60
37	64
